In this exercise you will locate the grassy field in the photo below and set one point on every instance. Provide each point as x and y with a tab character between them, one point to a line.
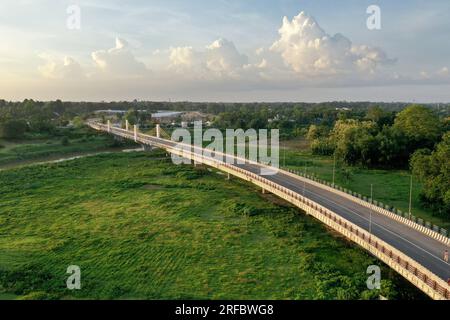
34	148
140	227
389	186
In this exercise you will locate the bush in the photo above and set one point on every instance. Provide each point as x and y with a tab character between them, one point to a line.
244	210
13	129
322	147
65	141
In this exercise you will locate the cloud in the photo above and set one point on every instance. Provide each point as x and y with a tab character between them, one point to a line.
219	59
183	57
302	57
119	61
55	68
310	51
223	57
444	72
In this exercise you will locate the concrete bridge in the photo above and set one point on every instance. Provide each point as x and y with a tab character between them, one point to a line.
415	252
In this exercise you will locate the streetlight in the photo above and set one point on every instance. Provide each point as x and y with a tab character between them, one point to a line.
304	180
334	166
410	196
371	208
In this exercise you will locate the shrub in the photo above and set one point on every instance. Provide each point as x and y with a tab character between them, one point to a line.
244	210
13	129
322	147
65	141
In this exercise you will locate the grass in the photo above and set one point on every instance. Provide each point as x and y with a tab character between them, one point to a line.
389	186
32	149
140	227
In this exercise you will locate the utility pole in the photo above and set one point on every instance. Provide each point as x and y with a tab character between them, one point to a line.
334	166
371	208
410	196
304	180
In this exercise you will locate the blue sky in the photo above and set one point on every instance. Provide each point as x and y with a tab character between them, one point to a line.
225	50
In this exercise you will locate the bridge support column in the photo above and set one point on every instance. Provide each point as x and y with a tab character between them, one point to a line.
146	147
135	133
127	125
158	131
263	191
109	125
228	176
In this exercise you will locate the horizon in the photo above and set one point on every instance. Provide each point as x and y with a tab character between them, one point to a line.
237	101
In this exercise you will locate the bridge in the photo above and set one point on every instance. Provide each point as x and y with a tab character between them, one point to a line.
415	252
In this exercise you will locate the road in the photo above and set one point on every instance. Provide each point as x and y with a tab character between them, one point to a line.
413	243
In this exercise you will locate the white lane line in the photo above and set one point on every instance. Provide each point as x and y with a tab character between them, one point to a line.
344	207
380	226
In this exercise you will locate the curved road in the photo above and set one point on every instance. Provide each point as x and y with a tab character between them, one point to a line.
415	244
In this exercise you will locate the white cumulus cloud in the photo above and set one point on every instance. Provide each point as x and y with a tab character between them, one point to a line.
223	57
56	68
183	57
119	61
310	51
220	58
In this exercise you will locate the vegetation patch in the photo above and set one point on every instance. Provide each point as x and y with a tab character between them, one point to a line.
202	238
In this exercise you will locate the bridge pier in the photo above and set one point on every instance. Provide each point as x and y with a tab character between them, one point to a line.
158	131
228	176
127	125
120	139
135	133
147	148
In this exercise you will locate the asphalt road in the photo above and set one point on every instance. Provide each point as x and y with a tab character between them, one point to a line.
415	244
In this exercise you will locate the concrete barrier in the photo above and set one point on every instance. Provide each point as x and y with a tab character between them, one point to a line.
410	269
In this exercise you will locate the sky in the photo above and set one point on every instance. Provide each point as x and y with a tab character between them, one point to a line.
225	50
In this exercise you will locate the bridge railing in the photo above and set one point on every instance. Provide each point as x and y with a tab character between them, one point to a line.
435	234
424	279
421	277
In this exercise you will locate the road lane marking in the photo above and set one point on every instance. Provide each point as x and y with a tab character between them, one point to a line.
382	227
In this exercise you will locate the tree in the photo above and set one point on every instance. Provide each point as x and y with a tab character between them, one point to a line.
433	169
379	116
132	116
324	147
13	129
316	132
355	142
78	122
420	125
393	148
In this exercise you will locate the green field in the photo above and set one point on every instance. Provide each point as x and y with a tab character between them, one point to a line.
389	186
140	227
50	147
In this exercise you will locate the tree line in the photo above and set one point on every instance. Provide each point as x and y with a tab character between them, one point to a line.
415	138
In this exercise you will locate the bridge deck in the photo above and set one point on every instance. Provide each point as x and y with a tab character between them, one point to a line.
417	245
